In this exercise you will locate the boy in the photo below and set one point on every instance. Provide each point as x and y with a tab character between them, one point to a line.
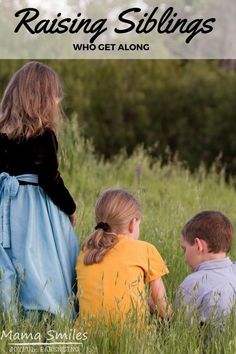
211	288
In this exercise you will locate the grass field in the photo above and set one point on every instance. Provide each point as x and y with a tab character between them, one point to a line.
170	195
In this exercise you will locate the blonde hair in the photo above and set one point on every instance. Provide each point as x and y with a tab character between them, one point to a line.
116	208
30	103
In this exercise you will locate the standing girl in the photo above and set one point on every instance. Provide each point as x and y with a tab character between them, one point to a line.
114	266
38	247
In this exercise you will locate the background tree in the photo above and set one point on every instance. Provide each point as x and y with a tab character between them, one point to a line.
187	107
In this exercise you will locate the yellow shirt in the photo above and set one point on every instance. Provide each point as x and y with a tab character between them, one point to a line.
116	285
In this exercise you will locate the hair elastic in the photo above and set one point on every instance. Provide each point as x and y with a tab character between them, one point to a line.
102	225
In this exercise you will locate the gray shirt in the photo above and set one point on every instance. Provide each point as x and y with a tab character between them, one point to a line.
211	289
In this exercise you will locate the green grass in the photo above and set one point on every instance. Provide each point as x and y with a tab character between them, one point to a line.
170	195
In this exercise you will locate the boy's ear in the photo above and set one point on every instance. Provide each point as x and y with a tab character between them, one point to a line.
201	244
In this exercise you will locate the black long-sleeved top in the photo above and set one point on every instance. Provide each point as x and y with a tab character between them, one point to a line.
37	156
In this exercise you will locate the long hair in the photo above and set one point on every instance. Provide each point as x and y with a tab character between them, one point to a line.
30	103
116	208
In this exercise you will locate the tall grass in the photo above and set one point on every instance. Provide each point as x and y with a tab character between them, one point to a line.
170	195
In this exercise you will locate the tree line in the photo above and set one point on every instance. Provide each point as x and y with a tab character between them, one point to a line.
186	108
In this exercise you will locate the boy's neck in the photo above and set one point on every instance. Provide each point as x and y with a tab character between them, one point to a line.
211	256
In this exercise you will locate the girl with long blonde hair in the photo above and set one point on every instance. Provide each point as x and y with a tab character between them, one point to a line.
114	265
38	246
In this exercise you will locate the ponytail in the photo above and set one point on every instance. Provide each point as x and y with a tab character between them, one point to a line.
114	210
97	245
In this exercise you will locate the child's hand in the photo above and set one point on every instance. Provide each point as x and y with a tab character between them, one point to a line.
73	219
152	306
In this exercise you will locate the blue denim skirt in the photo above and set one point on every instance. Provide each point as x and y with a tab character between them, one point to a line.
38	249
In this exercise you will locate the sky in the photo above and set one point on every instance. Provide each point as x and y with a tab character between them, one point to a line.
50	6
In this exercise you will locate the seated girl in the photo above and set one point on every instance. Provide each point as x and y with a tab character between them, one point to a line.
114	265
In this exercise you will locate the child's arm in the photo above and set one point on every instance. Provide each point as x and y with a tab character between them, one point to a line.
49	177
158	300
